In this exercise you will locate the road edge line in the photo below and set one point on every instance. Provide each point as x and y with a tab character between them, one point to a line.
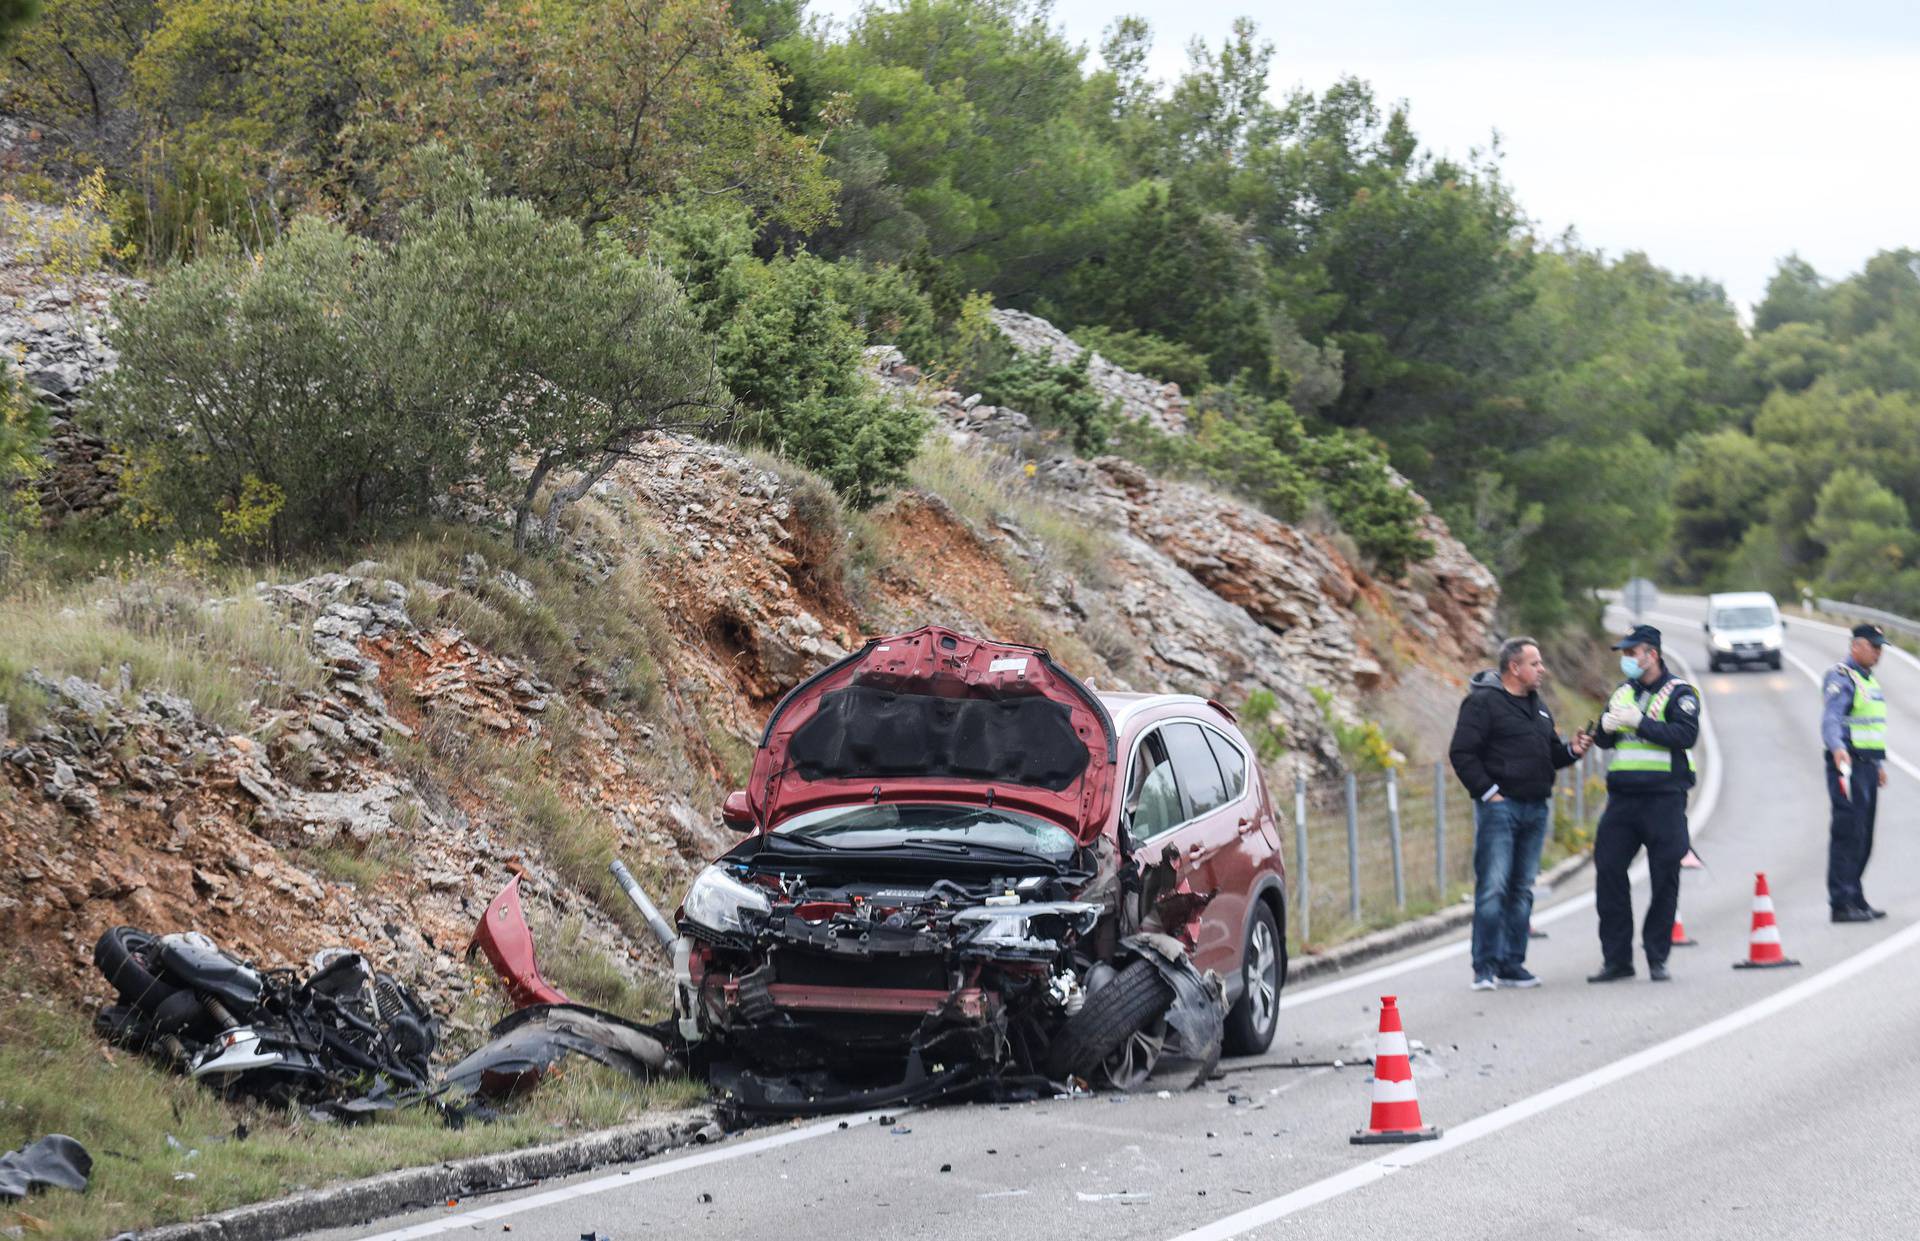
1493	1122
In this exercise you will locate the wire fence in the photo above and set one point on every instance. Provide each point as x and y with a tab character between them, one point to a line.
1375	848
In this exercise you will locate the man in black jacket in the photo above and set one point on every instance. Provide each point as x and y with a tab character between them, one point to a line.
1505	751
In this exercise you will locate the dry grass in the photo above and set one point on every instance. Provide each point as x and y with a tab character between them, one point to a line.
983	491
573	622
169	633
590	975
56	1078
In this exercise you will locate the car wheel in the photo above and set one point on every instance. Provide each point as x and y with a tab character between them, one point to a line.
1713	665
1263	968
1773	662
1118	1032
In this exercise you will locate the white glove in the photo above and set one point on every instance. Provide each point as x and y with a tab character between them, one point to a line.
1623	718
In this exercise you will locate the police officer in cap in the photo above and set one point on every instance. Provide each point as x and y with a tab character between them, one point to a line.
1853	728
1651	724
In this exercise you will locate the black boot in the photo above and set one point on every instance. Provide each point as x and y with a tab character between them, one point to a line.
1611	973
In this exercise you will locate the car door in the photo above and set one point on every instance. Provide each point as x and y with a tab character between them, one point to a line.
1208	841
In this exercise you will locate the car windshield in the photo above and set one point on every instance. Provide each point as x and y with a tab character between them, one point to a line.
1743	618
889	825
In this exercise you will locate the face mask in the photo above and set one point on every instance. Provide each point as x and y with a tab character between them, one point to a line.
1630	666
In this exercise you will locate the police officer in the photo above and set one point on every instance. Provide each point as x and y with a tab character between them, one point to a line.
1651	723
1853	728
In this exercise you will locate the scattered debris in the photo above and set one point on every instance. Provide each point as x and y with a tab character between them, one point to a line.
527	1043
54	1162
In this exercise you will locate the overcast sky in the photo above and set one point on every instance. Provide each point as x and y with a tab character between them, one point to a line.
1715	136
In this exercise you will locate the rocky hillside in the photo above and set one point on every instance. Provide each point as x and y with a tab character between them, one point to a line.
363	755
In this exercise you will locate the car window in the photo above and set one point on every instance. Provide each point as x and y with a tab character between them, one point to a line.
1153	797
1233	764
1194	763
1748	617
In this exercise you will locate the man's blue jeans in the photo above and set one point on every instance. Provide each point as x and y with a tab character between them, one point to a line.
1507	837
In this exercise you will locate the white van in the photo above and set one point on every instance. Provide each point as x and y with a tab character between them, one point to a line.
1744	628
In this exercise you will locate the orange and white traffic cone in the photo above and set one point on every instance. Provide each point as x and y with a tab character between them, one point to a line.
1396	1105
1763	944
1680	939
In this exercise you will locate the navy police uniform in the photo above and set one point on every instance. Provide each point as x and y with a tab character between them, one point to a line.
1853	721
1647	785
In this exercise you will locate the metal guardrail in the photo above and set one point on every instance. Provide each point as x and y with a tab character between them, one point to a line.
1855	611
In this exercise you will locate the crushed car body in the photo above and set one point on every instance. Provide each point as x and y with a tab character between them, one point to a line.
936	895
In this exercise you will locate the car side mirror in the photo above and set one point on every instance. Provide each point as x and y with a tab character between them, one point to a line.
1707	628
737	812
1783	622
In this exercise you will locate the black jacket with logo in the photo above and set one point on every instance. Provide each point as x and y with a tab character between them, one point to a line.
1505	742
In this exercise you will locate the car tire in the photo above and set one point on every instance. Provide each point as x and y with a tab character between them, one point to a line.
1131	1004
1263	969
1713	665
1773	662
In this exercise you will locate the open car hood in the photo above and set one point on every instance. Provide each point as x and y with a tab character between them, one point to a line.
934	715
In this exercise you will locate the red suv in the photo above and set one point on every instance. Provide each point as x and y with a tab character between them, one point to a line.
966	872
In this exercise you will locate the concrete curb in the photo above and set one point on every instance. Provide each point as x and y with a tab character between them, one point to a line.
1407	934
391	1193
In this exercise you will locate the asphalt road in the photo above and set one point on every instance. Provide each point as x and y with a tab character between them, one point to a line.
1727	1103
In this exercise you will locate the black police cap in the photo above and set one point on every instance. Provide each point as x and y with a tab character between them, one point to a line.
1872	633
1642	635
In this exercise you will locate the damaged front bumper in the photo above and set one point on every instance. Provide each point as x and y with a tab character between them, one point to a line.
817	1013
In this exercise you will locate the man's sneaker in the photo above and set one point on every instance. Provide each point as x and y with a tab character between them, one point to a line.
1518	976
1658	973
1611	973
1849	913
1484	982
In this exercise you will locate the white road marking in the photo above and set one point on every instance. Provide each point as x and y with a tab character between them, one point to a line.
649	1171
1560	910
1493	1122
1846	632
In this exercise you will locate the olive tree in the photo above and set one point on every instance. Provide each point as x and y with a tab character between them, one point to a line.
328	380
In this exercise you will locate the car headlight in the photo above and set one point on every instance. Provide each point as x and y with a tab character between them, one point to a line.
716	899
1722	643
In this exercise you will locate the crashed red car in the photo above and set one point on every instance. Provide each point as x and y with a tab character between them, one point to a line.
967	872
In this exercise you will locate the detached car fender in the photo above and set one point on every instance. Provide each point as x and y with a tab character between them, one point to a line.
508	944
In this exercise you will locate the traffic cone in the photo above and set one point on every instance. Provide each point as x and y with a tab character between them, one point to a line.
1680	939
1396	1105
1763	945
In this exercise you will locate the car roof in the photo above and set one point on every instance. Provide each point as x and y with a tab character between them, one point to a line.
1121	705
1737	598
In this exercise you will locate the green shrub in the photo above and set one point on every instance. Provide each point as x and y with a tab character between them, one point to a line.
1263	726
1236	440
795	364
336	381
23	424
1381	512
1364	745
1150	355
887	307
1053	395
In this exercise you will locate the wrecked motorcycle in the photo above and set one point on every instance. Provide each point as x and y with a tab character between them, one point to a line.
263	1034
